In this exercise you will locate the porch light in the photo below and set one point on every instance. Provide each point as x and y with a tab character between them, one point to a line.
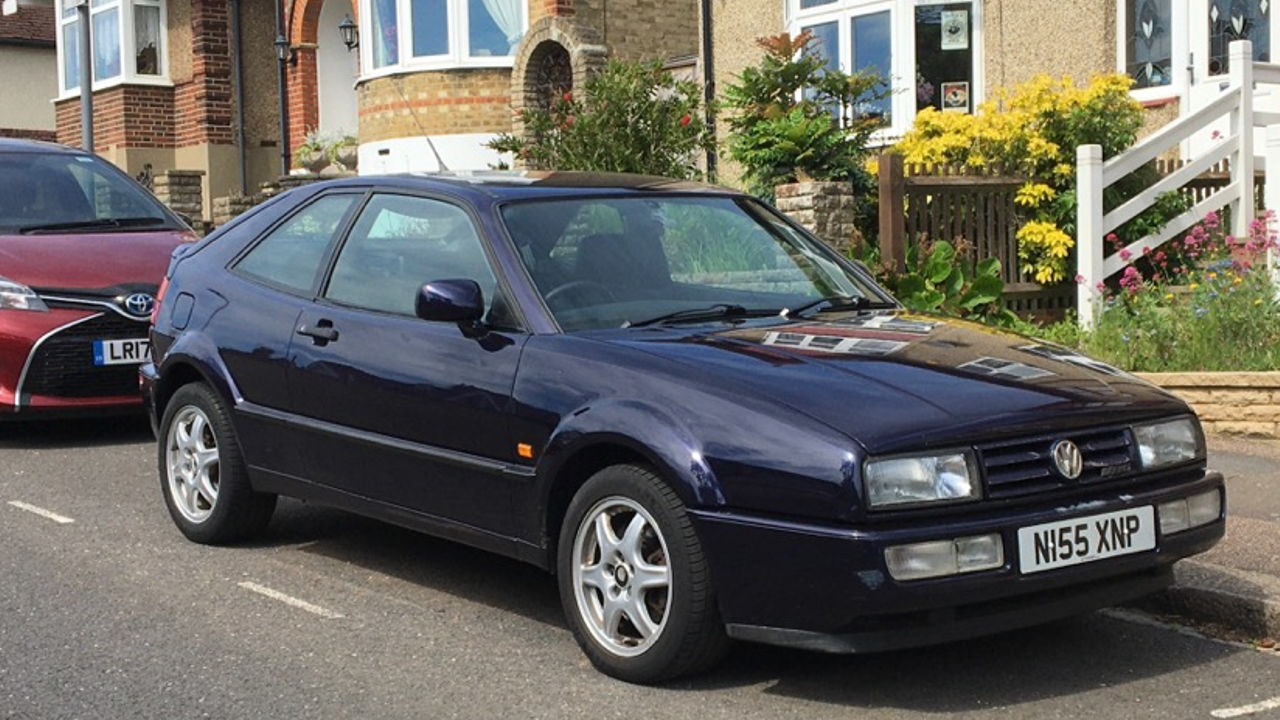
350	33
284	53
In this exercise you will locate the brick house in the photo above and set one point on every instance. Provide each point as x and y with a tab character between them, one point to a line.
165	76
436	85
427	85
28	58
950	55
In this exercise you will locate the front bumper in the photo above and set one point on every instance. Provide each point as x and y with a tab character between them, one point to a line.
24	336
827	588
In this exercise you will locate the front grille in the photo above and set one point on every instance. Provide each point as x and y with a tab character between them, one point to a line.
1025	467
63	364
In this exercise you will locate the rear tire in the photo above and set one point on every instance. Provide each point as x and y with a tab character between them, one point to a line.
634	583
202	473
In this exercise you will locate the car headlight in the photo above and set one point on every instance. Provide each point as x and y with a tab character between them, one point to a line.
1169	442
945	477
16	296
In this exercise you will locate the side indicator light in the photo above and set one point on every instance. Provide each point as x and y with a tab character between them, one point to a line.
525	450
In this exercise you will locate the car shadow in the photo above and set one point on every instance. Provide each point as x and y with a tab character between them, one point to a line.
75	432
1058	659
414	557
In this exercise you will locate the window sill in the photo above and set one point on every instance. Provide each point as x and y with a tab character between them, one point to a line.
481	63
142	80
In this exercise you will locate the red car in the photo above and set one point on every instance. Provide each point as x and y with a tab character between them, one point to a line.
82	250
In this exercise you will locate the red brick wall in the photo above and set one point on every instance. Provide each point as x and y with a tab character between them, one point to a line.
129	115
203	107
45	135
304	95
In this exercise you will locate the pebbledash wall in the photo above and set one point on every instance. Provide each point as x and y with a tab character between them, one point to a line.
186	119
416	119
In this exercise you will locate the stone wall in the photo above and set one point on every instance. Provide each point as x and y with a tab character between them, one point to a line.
1234	403
825	209
182	191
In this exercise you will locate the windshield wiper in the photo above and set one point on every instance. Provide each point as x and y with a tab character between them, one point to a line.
838	302
95	224
712	312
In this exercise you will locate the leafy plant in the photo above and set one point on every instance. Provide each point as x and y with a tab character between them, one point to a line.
941	277
796	118
629	117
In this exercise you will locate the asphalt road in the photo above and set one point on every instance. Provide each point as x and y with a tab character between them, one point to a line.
115	615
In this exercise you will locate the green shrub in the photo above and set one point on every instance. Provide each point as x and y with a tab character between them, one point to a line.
795	118
629	117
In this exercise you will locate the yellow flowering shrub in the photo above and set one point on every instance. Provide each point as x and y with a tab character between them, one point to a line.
1043	249
1032	131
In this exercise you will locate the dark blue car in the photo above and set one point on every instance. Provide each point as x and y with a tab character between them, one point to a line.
706	423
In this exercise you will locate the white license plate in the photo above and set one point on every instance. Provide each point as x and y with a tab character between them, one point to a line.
1081	540
120	352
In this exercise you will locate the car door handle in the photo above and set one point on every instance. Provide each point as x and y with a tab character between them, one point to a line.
321	333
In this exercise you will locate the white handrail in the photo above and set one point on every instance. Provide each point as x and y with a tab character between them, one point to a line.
1093	176
1166	137
1169	183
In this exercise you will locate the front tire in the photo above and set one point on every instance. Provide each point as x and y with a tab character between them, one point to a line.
202	473
634	583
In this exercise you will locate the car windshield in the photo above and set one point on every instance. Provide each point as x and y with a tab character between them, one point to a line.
60	191
612	262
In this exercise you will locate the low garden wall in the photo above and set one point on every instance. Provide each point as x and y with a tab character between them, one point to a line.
1234	403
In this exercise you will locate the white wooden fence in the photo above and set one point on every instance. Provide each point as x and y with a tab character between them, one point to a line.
1093	175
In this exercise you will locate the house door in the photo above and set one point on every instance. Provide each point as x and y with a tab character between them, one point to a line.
336	71
1211	26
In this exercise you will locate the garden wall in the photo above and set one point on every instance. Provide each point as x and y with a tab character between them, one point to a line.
1234	403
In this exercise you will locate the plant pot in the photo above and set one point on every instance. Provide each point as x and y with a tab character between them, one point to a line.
346	156
313	159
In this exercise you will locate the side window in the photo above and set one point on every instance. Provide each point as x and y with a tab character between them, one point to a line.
400	243
290	256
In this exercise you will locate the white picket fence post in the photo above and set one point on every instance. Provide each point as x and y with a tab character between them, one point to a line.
1241	74
1088	232
1271	196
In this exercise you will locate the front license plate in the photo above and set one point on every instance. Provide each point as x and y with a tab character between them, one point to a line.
1081	540
120	352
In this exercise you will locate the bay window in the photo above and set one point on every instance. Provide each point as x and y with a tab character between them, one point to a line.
429	34
928	51
128	43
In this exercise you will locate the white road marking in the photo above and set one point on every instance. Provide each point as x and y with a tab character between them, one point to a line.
290	600
47	514
1243	710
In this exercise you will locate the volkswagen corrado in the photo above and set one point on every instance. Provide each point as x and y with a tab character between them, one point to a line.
706	423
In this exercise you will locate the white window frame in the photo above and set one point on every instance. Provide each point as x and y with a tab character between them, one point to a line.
125	37
902	14
1180	52
457	57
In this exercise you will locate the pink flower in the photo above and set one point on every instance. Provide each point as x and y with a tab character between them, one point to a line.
1079	279
1146	249
1125	255
1215	135
1101	287
1211	220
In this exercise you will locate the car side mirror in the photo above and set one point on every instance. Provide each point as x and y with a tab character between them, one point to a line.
460	301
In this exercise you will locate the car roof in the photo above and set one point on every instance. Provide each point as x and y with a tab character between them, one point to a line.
527	184
37	146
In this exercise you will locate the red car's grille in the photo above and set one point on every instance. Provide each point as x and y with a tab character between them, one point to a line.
63	364
1025	467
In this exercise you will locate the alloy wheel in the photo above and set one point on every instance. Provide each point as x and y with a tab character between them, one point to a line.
192	462
621	576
